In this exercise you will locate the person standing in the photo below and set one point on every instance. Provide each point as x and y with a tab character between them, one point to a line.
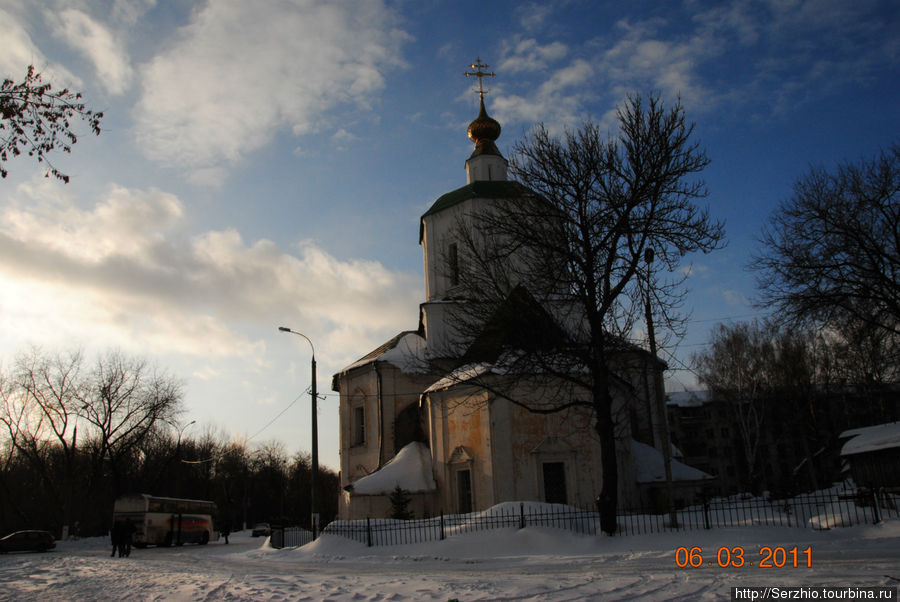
226	530
127	538
115	535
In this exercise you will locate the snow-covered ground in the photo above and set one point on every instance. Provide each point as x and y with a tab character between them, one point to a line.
529	564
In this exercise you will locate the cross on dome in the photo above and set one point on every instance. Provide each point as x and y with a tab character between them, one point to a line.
480	73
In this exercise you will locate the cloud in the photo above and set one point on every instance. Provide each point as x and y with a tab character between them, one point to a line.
642	59
116	228
235	75
342	138
533	15
19	51
126	271
528	55
556	102
130	11
98	44
771	54
735	298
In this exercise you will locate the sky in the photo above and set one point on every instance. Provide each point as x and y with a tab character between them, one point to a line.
265	164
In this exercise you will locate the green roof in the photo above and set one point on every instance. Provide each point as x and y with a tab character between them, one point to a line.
485	189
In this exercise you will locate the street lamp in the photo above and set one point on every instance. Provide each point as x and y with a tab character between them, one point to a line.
181	433
314	515
178	455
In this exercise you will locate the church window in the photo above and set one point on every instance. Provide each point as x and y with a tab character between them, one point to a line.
453	264
555	483
358	425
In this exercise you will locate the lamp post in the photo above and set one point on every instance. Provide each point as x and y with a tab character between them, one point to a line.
314	515
178	457
181	434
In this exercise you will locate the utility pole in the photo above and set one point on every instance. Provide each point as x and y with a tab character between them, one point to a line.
660	395
313	508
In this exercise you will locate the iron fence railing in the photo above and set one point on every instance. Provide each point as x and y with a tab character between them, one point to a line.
289	537
818	510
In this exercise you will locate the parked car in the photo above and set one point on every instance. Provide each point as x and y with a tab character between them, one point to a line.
27	541
261	529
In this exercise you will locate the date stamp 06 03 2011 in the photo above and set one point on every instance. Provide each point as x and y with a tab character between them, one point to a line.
739	557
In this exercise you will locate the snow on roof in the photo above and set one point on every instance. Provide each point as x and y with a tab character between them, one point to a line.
650	467
410	469
688	399
461	375
406	351
871	438
471	371
408	354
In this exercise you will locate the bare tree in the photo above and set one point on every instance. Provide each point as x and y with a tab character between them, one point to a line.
35	119
736	368
40	415
866	355
793	380
552	280
831	252
127	400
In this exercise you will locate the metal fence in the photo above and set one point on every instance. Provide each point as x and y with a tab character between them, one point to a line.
289	537
819	510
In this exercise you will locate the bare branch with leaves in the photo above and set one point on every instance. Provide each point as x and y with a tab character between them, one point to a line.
35	119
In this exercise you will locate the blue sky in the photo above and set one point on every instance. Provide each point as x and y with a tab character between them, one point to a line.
266	163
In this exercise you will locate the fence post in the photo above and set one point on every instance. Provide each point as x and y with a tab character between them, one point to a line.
368	532
521	515
875	516
442	525
276	536
706	513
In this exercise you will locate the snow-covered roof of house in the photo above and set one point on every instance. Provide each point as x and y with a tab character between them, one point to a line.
406	351
687	399
460	375
410	469
474	370
871	438
650	467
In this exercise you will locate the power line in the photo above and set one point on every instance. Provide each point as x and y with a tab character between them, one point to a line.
684	367
254	435
726	318
279	415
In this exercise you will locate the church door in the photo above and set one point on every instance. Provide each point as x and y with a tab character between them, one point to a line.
555	483
464	491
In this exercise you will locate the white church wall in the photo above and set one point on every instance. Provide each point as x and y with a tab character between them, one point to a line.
438	234
507	447
486	167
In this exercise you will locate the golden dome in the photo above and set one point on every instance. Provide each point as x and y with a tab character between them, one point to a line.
484	127
483	132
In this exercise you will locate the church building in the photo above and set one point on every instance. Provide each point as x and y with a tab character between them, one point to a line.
416	412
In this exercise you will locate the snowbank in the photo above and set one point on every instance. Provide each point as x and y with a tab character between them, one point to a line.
410	469
528	564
